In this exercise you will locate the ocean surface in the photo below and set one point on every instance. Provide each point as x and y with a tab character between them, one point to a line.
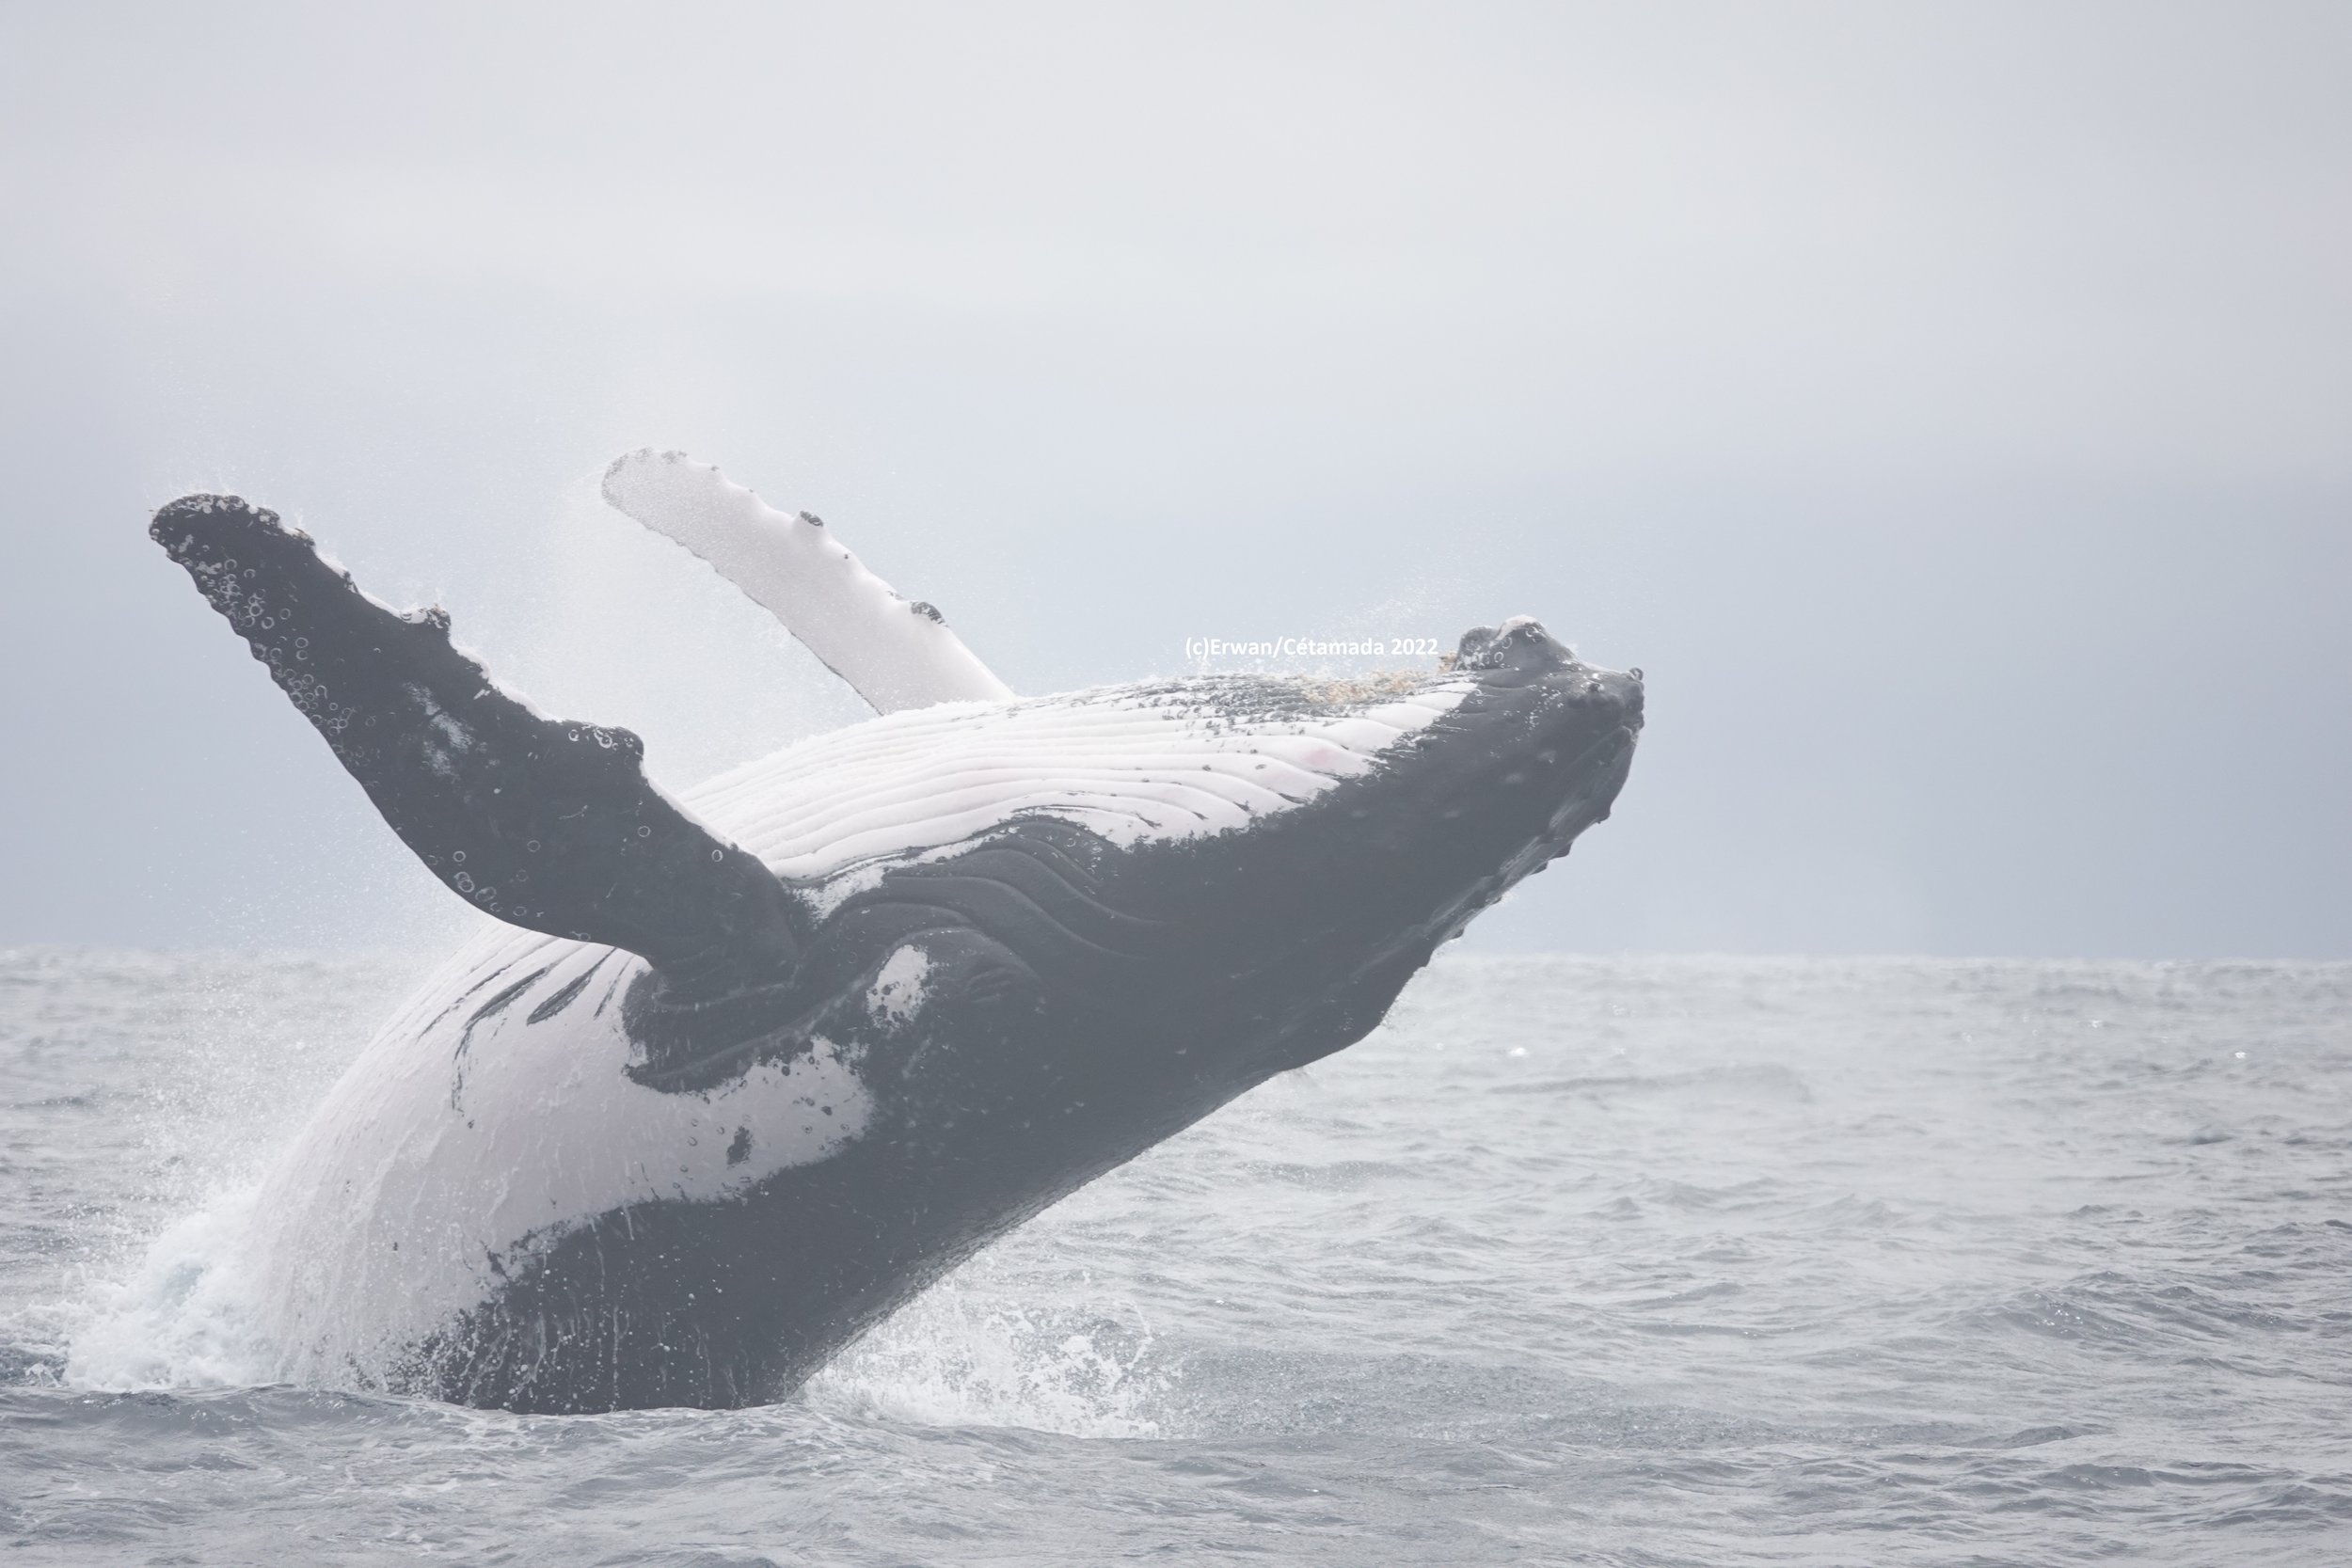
1637	1262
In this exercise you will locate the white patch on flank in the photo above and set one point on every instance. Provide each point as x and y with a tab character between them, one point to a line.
896	994
382	1220
826	897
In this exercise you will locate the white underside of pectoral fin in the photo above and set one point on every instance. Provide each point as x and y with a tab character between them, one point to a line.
894	652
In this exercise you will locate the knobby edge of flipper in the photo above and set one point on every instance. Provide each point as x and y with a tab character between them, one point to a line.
547	824
894	652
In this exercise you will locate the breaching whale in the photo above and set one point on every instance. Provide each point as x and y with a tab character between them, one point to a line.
731	1077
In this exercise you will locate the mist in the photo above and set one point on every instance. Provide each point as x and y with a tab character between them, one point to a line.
1943	405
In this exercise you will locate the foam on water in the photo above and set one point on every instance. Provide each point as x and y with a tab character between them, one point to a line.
964	1356
184	1316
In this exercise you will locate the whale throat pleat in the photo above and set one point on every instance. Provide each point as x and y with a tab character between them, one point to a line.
896	653
547	824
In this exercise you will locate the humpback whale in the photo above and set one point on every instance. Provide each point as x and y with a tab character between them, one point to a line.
729	1077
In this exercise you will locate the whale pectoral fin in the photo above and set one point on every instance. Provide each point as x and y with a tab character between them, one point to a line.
549	825
896	653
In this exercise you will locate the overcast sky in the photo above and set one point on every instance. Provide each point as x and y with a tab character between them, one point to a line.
1949	406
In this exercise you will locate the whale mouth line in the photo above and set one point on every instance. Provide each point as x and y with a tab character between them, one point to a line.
1609	758
1599	771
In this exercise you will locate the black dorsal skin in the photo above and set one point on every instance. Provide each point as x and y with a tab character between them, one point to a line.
547	824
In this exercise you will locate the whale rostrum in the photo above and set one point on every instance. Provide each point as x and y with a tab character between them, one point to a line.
727	1079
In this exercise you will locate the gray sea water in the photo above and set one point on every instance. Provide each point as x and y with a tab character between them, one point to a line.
1626	1262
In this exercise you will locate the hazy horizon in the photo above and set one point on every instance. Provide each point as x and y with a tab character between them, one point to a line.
1945	406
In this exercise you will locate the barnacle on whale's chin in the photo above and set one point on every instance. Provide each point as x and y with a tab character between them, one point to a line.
1377	686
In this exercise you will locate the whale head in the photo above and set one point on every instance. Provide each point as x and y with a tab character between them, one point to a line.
1316	921
1500	786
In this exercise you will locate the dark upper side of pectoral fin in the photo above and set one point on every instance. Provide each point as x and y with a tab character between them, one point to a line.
549	825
